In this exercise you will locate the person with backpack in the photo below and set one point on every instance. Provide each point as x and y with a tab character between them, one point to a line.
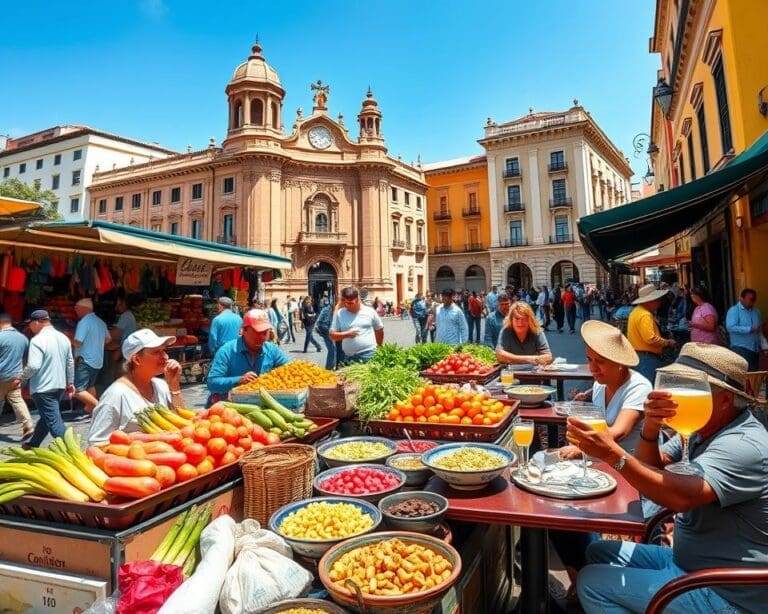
419	317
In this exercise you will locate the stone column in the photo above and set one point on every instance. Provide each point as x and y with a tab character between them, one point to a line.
373	238
495	208
247	213
276	212
581	170
535	197
385	254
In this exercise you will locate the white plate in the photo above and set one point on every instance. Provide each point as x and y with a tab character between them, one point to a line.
554	482
561	367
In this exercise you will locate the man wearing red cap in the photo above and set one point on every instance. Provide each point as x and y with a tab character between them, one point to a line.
242	360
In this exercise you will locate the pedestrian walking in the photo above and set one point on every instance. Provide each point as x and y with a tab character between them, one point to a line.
308	317
276	318
495	322
293	308
13	349
450	323
431	311
357	326
225	326
543	302
569	305
475	313
744	324
91	337
419	317
558	308
323	328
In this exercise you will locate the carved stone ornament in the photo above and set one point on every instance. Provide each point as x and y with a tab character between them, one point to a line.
275	176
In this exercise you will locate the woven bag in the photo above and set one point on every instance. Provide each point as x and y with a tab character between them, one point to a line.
275	476
332	401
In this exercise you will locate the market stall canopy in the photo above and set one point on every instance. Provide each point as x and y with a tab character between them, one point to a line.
115	240
14	206
625	230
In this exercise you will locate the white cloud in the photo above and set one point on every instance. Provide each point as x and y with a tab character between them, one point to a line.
154	9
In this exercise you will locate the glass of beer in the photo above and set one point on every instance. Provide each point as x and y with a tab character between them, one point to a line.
507	377
594	416
522	435
691	392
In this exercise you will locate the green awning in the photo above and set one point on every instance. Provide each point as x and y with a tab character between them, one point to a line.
631	228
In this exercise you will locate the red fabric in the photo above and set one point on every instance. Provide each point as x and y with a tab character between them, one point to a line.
145	586
227	279
569	298
105	279
475	307
17	279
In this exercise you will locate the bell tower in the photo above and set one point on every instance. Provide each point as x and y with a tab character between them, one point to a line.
369	119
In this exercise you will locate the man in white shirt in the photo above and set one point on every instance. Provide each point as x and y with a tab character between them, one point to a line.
450	323
51	371
357	326
542	302
91	337
293	309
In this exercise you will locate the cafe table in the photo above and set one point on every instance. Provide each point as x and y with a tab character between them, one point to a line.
537	376
502	502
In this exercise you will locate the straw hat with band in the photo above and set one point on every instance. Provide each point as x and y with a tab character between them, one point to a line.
724	368
648	293
608	341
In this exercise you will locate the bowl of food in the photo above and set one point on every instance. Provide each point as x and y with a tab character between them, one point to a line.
417	511
468	466
354	450
415	445
391	587
313	526
303	606
529	395
367	482
416	472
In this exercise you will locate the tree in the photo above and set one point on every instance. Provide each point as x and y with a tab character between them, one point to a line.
13	188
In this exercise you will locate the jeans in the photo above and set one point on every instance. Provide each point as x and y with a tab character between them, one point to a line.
308	328
752	358
474	323
624	576
570	314
50	421
649	362
291	334
330	346
585	312
420	325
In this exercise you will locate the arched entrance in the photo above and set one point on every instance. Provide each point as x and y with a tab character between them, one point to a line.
564	272
321	282
445	278
519	276
474	279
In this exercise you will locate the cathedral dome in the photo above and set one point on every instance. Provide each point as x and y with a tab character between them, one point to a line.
256	69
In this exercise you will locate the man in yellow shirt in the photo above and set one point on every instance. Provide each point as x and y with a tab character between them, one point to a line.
643	331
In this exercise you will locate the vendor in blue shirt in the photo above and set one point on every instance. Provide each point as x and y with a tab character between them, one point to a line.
242	360
225	326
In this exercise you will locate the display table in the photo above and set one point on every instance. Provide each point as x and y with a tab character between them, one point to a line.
504	503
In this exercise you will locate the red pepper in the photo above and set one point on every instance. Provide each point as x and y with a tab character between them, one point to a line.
118	466
168	459
132	487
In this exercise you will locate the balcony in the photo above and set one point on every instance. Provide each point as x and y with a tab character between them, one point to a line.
440	216
512	173
558	167
227	239
333	238
556	203
398	244
408	246
421	248
443	249
473	247
514	208
514	243
561	239
470	212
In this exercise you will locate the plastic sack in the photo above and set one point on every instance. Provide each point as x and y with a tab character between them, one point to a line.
200	593
145	586
104	606
264	572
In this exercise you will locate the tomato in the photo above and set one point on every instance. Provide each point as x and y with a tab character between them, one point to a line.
186	472
246	443
204	466
165	475
229	457
217	429
230	433
272	439
196	453
258	434
217	446
202	435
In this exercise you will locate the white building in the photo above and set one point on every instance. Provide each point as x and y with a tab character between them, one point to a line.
63	159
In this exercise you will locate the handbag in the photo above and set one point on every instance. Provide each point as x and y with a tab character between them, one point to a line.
282	327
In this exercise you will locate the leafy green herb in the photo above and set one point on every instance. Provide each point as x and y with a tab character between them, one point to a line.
380	387
481	352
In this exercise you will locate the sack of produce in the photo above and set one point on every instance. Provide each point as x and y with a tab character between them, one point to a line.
264	572
332	401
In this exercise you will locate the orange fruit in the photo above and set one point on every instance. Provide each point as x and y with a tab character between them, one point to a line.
217	428
478	419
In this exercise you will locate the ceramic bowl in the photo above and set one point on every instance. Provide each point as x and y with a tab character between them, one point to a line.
413	477
372	497
422	524
323	450
520	393
467	480
308	604
315	548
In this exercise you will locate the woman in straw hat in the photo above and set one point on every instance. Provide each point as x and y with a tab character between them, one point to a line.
618	389
643	331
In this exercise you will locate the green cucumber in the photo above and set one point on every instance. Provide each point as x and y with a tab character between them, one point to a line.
271	403
242	408
276	431
277	419
260	418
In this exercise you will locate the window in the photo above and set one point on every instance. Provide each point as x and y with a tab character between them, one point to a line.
418	203
55	179
174	228
557	160
691	159
443	204
22	168
275	116
7	171
516	233
157	196
197	229
39	164
513	196
157	227
700	120
558	190
118	203
74	205
419	235
472	197
681	169
257	112
396	231
229	185
197	191
36	184
408	235
407	199
228	226
512	167
175	195
103	205
76	177
722	105
136	201
562	230
321	222
444	239
77	154
57	159
394	195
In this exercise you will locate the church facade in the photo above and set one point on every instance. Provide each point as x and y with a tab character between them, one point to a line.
341	208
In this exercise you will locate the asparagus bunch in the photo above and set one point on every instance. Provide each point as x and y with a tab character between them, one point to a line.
180	545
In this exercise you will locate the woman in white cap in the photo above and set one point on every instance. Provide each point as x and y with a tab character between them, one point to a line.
145	360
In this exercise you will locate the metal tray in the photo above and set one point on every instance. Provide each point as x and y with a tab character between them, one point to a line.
552	486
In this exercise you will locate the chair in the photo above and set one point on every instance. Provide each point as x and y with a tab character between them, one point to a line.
755	383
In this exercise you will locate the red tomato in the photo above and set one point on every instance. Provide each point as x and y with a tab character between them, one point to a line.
186	472
272	439
165	475
196	453
217	446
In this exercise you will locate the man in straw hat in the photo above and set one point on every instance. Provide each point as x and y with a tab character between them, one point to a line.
643	331
722	515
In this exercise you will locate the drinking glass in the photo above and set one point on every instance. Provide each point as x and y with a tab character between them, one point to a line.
522	435
594	416
507	377
691	392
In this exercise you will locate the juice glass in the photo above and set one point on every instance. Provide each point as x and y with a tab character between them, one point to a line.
594	416
507	377
522	435
691	392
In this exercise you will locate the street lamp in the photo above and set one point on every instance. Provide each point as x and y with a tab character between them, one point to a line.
649	176
662	94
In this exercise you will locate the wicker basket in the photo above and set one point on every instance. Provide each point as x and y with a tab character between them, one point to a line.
275	476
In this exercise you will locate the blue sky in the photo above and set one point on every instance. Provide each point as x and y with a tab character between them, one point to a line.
156	70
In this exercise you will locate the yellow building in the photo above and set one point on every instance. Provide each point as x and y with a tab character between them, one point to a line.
458	214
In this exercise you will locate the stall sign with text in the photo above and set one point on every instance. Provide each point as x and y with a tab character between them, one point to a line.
191	272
